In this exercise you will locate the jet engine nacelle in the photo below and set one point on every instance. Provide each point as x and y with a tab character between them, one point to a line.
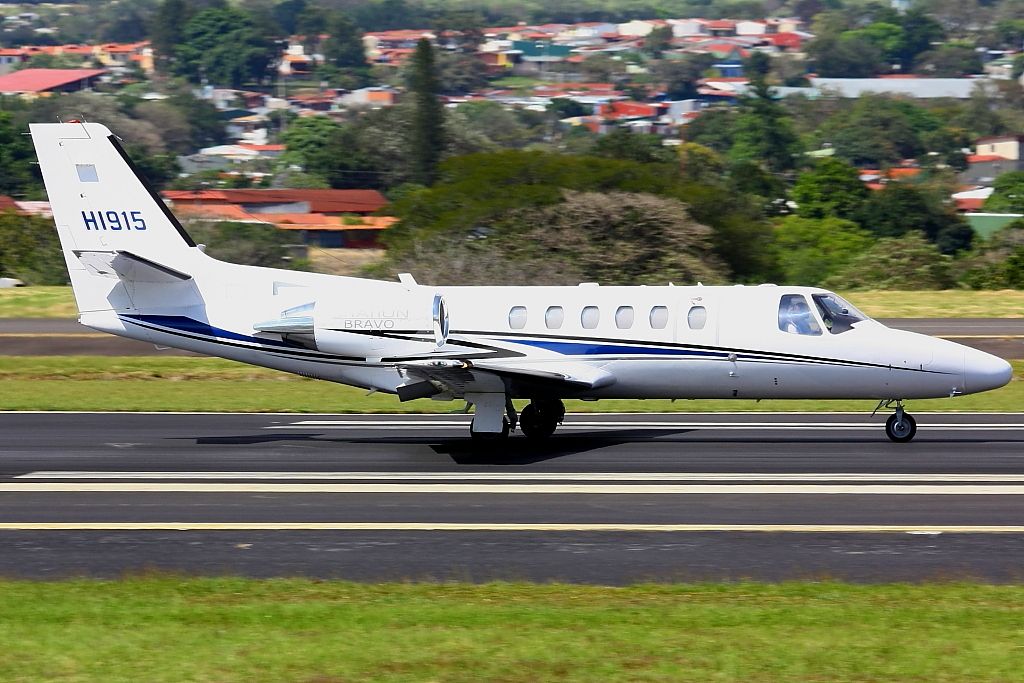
403	323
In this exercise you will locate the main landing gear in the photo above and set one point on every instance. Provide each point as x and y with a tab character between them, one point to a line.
493	421
541	417
901	426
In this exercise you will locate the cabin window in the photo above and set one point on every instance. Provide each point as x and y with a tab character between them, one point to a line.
553	317
624	317
590	317
87	173
517	317
659	317
795	316
697	317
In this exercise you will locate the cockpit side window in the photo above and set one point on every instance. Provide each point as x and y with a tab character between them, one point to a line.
795	316
837	314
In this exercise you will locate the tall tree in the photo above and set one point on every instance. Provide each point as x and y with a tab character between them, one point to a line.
764	132
224	47
16	157
344	45
428	122
831	189
167	30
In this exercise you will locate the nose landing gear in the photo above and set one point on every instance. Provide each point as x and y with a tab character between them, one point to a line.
901	426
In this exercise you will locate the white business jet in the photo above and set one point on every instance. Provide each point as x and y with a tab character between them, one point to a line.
136	273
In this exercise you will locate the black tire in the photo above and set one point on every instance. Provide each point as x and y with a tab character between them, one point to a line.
901	431
537	424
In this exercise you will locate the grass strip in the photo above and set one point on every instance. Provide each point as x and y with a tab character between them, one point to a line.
159	629
37	302
58	302
181	384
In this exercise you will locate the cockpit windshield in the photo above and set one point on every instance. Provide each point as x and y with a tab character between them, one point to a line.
795	316
838	314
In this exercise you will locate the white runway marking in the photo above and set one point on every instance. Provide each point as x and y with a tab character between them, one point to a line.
527	476
530	489
463	526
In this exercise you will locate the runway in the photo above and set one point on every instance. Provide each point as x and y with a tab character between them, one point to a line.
1003	337
610	499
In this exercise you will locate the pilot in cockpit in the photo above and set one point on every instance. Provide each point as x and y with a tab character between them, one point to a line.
795	316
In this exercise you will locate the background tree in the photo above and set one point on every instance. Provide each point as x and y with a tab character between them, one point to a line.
612	238
16	157
907	262
811	250
30	250
900	208
643	147
657	41
715	129
948	61
344	50
845	56
166	30
329	151
764	131
223	47
681	75
428	123
251	244
832	189
1007	193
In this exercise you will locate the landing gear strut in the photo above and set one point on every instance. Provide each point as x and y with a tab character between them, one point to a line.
901	426
541	417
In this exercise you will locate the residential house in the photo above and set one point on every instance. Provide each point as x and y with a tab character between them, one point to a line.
373	97
325	218
684	28
9	58
1006	146
31	83
983	169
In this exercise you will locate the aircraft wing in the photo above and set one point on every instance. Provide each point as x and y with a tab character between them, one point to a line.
429	377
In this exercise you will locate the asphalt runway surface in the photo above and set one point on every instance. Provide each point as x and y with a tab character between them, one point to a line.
1003	337
611	499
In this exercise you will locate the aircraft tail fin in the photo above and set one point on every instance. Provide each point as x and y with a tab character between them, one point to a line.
114	228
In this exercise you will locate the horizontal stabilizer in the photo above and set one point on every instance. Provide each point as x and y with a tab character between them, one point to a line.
128	266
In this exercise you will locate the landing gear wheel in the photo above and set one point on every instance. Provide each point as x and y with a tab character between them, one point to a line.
537	424
490	436
901	427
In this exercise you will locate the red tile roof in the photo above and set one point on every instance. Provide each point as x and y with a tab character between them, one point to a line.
983	158
320	201
784	39
7	204
970	204
41	80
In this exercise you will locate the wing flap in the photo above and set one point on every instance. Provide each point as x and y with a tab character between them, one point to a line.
580	375
454	375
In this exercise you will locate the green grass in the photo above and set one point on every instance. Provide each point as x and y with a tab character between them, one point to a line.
956	303
57	302
37	302
177	384
163	629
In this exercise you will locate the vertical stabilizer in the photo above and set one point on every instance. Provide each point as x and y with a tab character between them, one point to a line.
105	209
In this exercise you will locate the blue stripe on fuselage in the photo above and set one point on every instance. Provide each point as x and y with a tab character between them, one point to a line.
186	324
592	349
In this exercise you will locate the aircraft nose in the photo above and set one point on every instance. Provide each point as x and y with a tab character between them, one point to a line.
983	371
